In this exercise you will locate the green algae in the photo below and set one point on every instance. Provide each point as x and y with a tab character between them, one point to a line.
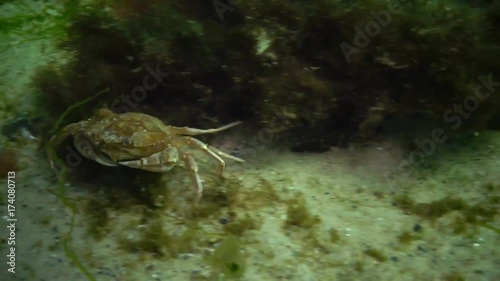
298	215
467	216
228	258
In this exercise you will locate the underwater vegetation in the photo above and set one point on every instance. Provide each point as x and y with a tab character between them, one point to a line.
228	259
298	215
467	215
28	21
277	57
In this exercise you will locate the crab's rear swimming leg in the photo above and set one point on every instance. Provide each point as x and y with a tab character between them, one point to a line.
211	151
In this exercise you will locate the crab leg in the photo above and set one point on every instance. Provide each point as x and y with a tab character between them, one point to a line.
159	162
193	131
193	168
226	155
215	153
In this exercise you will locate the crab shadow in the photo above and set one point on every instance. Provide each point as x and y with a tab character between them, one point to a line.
123	187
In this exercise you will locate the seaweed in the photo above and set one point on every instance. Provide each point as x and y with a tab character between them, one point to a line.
219	193
228	259
334	235
38	21
439	208
298	215
97	216
154	238
286	65
406	237
61	177
151	239
376	255
459	225
240	226
453	276
478	214
265	192
404	202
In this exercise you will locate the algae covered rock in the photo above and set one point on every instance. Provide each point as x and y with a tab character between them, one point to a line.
338	71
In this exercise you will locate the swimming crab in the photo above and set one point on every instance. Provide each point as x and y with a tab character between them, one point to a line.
141	141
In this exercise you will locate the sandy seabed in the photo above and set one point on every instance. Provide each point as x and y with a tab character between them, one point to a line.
345	225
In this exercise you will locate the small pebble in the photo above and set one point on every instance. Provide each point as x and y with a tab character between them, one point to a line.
223	221
417	227
421	248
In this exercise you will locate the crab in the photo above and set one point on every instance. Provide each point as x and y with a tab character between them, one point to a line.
141	141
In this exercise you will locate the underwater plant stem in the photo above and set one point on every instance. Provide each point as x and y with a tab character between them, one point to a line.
51	152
